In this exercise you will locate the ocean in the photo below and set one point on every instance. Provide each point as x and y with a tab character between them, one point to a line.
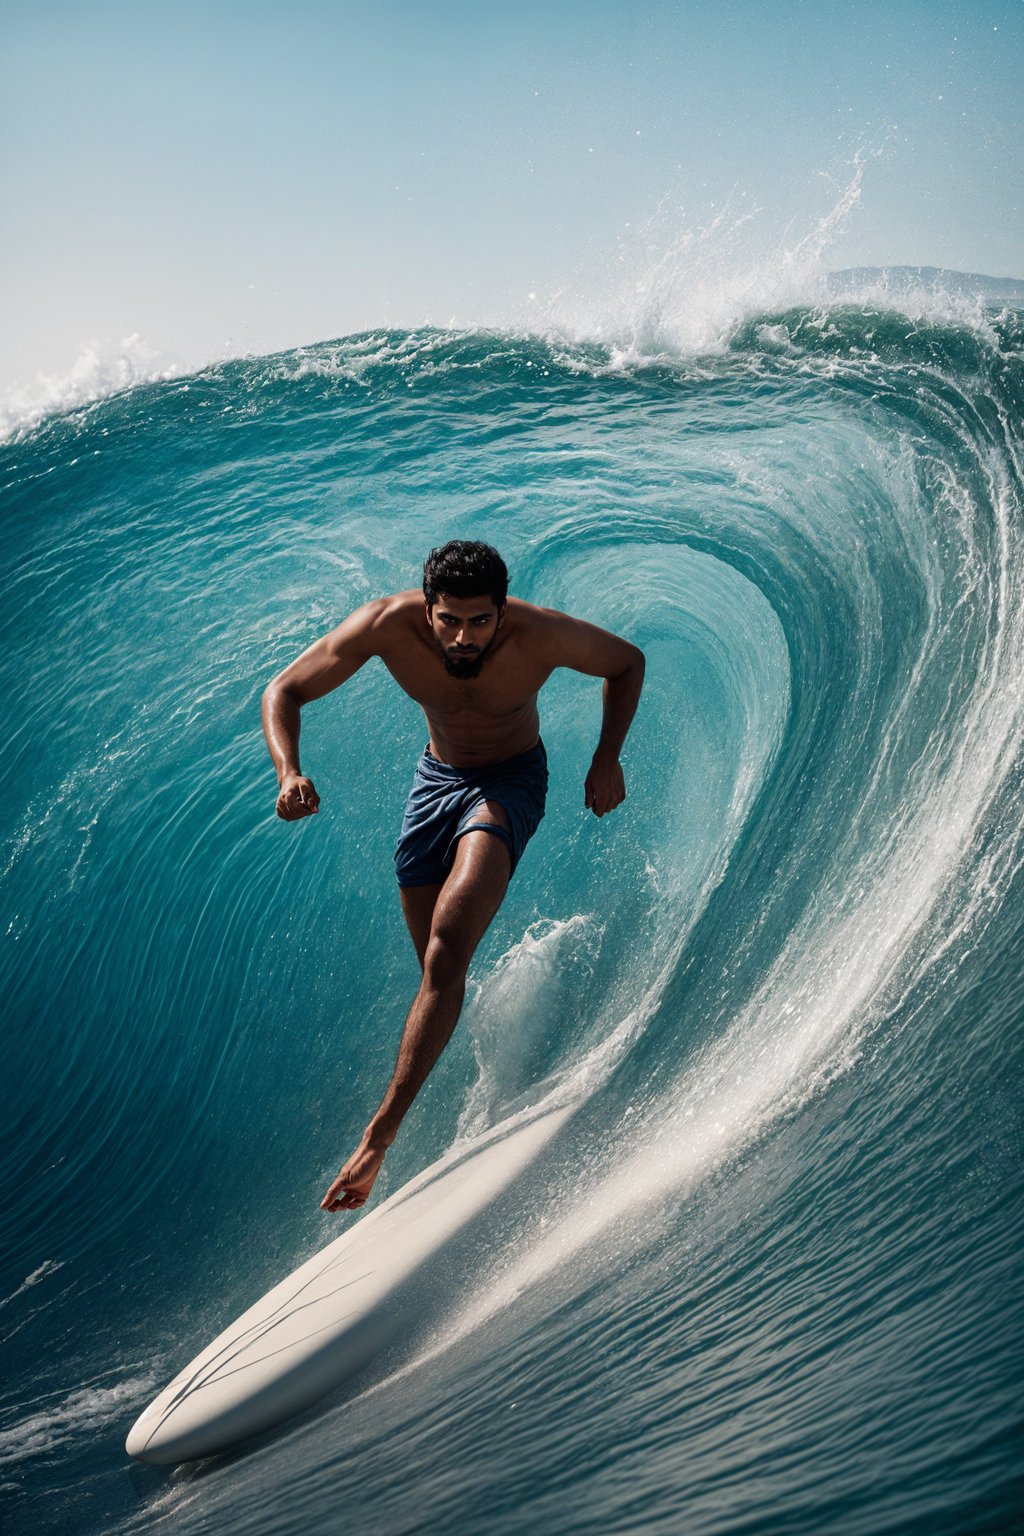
768	1277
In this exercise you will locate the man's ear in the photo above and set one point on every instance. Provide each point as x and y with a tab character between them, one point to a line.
501	614
426	610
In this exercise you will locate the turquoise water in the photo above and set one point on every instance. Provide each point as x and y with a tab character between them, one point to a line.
768	1277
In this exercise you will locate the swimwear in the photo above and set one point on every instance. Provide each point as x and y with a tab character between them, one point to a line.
444	803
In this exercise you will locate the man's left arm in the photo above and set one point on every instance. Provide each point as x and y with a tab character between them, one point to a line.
586	648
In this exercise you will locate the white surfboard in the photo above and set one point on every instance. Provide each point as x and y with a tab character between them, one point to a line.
329	1318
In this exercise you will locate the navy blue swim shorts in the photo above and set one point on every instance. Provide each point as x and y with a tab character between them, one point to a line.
444	802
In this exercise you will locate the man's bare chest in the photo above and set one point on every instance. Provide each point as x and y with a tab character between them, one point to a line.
500	690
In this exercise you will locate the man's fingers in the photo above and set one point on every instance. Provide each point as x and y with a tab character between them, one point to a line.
291	808
334	1193
605	795
342	1196
352	1187
602	807
298	800
347	1201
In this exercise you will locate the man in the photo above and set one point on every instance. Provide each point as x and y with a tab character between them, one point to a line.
474	660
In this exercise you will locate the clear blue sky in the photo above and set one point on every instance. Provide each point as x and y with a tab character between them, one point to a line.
211	171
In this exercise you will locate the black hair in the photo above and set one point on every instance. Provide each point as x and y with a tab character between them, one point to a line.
463	568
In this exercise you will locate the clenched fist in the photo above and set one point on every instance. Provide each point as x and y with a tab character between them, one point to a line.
298	798
605	786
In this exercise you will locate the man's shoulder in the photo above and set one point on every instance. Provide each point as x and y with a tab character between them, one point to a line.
532	619
378	625
537	625
388	615
562	640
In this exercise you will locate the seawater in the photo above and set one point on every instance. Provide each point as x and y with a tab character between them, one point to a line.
768	1277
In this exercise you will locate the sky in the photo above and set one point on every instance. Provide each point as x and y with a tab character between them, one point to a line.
224	176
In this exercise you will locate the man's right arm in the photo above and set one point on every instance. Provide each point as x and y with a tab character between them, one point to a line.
327	664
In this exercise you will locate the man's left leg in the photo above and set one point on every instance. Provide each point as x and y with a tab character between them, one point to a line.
467	902
418	903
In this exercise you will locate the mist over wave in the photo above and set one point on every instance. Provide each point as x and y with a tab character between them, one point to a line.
766	1276
674	285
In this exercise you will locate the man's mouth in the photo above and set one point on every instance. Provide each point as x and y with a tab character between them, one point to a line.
463	664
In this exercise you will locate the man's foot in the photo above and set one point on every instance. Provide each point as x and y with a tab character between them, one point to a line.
355	1180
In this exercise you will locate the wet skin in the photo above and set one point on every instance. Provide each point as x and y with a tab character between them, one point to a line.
476	671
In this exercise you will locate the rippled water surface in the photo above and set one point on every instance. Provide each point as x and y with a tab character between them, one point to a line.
768	1276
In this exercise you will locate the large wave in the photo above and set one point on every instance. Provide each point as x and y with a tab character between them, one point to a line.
764	1275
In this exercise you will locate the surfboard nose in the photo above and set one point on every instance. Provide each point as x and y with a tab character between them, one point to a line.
168	1433
140	1434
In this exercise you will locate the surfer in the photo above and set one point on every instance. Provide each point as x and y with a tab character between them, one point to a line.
474	659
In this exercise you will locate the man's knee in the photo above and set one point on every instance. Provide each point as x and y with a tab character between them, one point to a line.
446	960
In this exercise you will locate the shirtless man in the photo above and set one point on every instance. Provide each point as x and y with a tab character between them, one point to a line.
474	660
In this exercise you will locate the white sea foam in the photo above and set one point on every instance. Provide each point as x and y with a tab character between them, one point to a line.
82	1412
515	1010
48	1267
680	288
675	287
97	373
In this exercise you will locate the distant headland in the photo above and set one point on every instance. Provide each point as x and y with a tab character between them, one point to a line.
902	280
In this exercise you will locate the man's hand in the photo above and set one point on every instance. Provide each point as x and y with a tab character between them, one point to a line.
605	787
355	1180
298	798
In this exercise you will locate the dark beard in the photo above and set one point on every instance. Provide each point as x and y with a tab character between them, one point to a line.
464	666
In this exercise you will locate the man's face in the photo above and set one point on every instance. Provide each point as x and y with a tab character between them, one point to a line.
464	628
